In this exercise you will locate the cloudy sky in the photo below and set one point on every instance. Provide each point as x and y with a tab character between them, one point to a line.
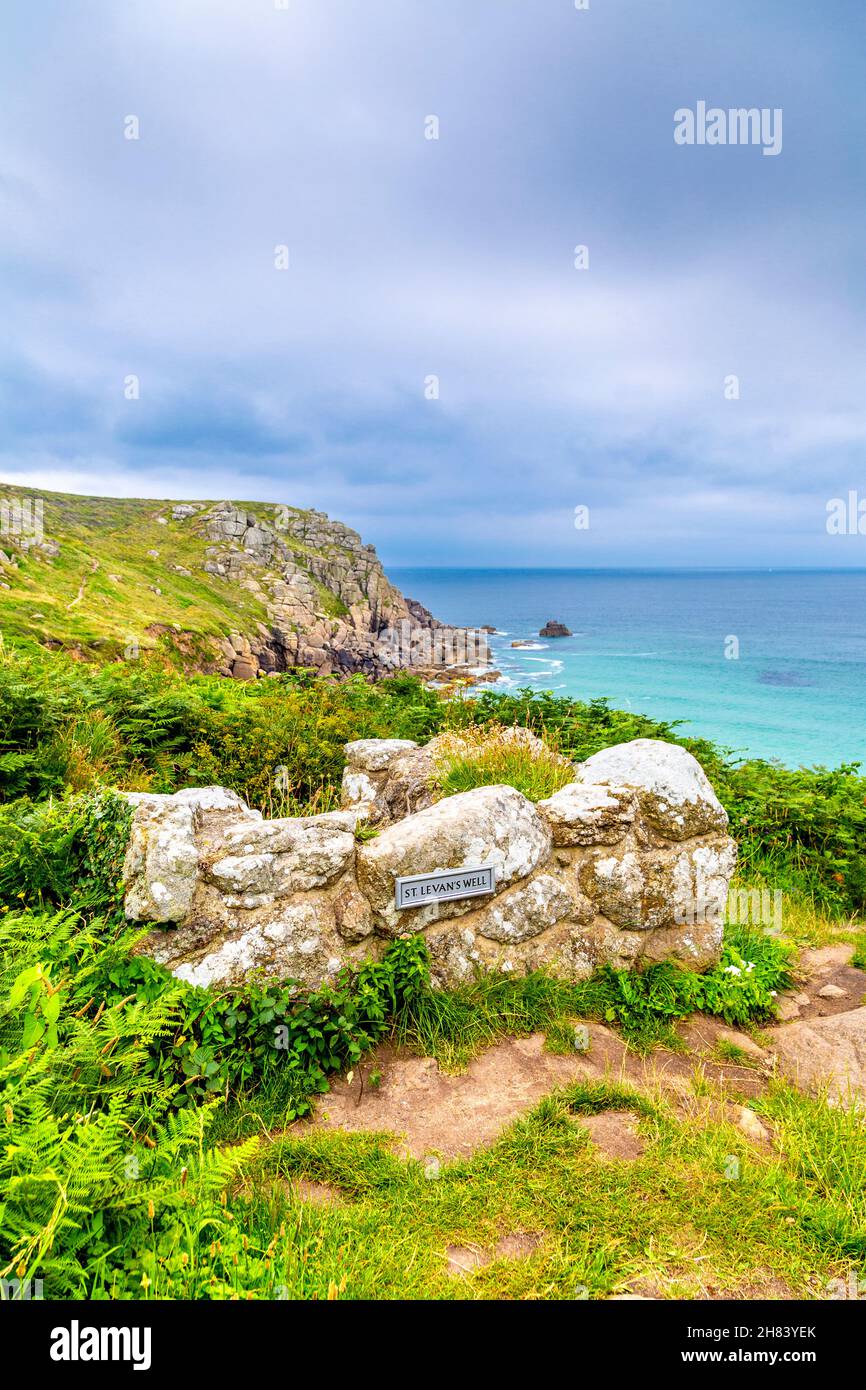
412	258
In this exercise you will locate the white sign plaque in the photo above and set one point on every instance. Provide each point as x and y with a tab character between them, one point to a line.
416	890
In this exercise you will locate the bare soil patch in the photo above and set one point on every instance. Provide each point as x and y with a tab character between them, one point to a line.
831	984
453	1116
614	1133
434	1112
463	1259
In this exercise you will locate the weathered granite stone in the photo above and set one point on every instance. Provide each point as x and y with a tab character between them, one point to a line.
376	754
694	947
489	825
353	914
526	910
386	779
660	888
675	793
405	778
589	815
161	864
298	943
284	856
826	1053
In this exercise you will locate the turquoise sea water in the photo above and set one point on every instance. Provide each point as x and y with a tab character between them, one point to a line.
654	642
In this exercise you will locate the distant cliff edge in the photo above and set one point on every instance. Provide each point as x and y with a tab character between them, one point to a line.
235	588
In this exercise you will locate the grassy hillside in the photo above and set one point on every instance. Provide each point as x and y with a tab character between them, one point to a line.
99	594
129	577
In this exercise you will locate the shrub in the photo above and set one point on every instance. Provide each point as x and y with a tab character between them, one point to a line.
55	852
110	1075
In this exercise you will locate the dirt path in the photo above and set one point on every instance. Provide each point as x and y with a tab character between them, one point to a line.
94	566
452	1116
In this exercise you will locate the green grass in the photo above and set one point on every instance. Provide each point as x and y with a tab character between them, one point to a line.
494	756
732	1053
455	1025
130	1098
98	596
670	1221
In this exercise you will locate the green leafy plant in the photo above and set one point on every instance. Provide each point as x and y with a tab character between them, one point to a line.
41	1000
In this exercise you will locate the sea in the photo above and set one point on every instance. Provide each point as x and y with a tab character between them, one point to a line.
766	663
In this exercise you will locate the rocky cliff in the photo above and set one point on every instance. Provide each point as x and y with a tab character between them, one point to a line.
330	606
242	589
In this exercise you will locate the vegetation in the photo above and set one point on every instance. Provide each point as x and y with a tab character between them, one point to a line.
129	579
66	726
455	1026
117	1081
141	1118
490	755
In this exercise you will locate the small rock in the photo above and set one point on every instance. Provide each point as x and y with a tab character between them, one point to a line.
554	629
826	1050
751	1126
786	1009
631	1298
589	815
742	1041
675	792
832	992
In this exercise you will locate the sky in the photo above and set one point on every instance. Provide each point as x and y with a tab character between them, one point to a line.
432	367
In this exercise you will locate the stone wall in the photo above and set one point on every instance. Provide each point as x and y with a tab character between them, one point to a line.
629	863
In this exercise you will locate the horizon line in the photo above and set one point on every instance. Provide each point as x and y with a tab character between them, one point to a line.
635	569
